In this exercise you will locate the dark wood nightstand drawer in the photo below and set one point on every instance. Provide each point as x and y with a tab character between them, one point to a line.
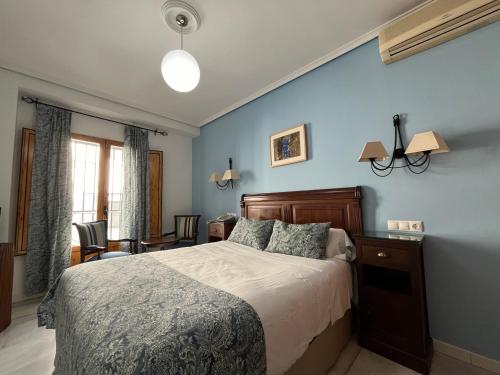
216	229
387	257
219	231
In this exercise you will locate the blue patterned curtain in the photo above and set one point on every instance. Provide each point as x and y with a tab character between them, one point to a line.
49	231
134	219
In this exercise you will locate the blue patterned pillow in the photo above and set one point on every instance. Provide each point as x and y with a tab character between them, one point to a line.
252	233
303	240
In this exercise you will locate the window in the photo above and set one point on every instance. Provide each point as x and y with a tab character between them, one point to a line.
86	156
97	187
97	182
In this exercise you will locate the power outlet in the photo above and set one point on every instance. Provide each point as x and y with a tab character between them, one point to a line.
416	226
405	225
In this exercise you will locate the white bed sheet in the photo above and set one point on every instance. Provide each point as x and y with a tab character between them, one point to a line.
296	298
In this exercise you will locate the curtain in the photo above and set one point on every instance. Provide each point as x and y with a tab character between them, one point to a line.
134	219
49	232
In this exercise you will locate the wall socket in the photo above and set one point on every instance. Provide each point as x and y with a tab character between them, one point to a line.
405	225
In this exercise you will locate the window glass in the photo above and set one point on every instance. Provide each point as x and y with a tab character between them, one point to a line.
85	182
115	186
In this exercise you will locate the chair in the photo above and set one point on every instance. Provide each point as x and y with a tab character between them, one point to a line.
94	240
185	234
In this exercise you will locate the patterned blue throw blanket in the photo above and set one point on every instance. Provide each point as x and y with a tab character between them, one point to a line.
135	315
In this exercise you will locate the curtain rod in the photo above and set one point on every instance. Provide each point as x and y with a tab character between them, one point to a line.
30	100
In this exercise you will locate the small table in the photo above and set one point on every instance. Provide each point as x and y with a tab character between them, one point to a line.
158	242
219	231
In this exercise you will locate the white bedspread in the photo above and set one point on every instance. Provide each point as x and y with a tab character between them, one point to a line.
296	298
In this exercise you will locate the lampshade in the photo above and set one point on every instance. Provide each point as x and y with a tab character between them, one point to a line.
180	70
373	150
215	177
427	141
231	174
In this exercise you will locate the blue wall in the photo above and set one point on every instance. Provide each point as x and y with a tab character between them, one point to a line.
453	89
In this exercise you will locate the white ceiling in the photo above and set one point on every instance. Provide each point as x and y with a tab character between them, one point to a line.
113	48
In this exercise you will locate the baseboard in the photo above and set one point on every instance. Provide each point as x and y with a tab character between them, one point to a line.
467	356
29	299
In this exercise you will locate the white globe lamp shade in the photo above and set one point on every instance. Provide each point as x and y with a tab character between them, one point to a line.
180	70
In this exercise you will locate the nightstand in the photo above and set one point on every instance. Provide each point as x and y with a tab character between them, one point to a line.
219	231
392	302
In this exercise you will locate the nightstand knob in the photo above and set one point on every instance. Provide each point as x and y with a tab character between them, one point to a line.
382	254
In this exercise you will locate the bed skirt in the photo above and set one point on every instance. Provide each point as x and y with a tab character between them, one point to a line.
325	349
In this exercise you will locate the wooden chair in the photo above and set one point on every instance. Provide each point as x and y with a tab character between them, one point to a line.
185	234
94	240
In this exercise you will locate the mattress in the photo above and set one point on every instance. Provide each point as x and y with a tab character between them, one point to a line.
295	298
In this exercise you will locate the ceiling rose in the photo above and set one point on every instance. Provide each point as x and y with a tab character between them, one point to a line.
172	8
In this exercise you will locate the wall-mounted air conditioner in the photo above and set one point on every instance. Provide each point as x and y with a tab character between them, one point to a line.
434	23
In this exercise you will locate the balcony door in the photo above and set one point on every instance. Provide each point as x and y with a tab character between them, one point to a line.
97	182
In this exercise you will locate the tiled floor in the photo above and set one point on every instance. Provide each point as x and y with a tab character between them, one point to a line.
368	363
26	349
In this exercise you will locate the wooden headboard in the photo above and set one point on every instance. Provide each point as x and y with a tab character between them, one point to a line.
340	207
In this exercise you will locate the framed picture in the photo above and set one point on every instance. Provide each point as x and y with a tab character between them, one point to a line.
288	146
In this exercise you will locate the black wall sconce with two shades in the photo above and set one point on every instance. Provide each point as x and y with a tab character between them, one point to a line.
226	180
420	148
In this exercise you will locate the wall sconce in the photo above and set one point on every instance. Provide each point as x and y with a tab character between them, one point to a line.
422	145
230	175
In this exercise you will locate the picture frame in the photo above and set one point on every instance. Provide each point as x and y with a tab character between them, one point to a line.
288	146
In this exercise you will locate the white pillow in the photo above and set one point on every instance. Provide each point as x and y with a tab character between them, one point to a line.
339	243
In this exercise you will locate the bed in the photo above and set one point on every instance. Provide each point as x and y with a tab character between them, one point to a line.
219	308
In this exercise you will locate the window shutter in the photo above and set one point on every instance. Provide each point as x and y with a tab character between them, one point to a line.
24	191
155	192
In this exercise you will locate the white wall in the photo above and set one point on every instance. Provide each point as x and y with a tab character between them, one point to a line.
16	114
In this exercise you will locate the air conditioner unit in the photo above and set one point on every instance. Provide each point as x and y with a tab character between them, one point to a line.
433	24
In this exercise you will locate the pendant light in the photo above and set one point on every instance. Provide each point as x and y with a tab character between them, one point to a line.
179	68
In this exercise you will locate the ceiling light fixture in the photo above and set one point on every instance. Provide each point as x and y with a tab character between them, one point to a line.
179	68
422	145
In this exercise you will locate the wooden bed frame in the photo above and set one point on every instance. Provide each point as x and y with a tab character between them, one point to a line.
340	207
